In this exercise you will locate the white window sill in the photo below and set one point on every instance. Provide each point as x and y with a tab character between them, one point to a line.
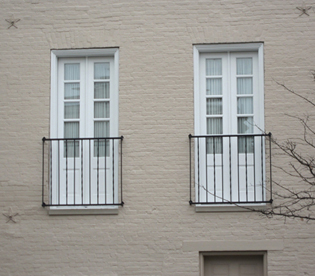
83	210
229	208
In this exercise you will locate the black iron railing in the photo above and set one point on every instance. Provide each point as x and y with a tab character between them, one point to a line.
82	171
230	169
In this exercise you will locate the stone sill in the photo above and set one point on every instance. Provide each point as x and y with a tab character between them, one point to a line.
83	210
229	208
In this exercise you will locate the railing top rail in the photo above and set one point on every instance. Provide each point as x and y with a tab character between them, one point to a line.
229	135
85	138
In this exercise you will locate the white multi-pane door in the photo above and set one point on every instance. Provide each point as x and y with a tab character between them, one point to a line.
229	105
83	168
245	107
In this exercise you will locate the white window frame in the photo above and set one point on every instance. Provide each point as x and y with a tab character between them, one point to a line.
91	54
217	49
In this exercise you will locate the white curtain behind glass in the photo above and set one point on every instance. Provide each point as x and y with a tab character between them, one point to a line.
101	107
214	103
71	108
245	105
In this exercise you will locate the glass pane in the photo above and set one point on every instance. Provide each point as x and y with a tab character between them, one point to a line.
71	148
214	144
72	90
244	86
72	110
72	71
245	105
101	129
101	110
214	86
101	70
245	144
214	126
71	130
101	90
244	66
213	67
245	125
214	106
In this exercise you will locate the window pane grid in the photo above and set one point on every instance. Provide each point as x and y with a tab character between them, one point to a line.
71	90
214	67
244	66
101	70
244	85
214	106
101	90
245	105
213	86
72	71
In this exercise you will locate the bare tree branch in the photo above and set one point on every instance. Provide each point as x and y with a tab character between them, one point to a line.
288	202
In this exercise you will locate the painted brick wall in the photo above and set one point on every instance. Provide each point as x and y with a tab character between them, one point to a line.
156	114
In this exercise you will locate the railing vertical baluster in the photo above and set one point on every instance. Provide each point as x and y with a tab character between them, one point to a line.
269	135
58	172
262	170
214	178
74	156
238	168
254	160
90	153
113	173
98	168
105	173
121	175
222	175
230	164
50	179
198	171
48	171
43	172
246	168
81	169
190	168
206	157
66	172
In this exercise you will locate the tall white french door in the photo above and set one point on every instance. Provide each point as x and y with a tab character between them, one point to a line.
230	105
86	108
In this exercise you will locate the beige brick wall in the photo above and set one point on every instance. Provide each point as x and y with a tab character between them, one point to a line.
156	113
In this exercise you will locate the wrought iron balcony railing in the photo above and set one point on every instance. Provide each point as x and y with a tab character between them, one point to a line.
82	171
230	169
